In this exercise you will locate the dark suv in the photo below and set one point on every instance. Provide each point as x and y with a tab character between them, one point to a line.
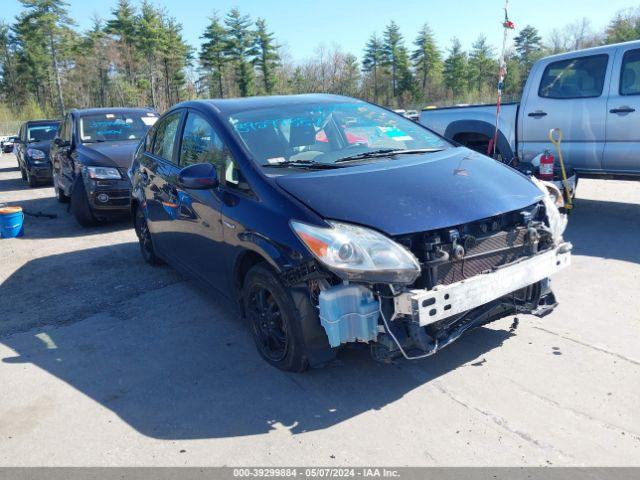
329	220
90	156
32	150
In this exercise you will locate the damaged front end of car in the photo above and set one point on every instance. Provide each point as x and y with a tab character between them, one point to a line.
413	294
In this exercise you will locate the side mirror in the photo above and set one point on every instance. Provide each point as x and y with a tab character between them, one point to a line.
201	176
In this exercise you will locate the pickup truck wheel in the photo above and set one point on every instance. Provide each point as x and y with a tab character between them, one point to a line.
80	205
144	238
274	320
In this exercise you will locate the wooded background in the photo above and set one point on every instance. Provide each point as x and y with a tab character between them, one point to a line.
138	57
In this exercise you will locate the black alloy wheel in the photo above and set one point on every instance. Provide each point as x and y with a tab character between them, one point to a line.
267	323
275	319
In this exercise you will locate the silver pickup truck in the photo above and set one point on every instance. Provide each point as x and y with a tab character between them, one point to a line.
593	95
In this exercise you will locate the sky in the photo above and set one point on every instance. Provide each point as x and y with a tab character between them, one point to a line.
302	25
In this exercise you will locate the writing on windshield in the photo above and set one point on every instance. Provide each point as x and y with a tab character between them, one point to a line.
115	127
328	132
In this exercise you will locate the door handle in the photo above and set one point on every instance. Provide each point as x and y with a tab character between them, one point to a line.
622	110
538	114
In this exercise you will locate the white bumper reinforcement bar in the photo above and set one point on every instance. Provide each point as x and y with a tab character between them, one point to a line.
443	301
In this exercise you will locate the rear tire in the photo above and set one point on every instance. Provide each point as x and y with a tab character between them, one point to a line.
274	320
80	205
144	238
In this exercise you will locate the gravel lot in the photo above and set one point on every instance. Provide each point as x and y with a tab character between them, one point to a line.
107	361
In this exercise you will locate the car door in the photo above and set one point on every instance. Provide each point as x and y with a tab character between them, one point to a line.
198	227
62	159
570	94
159	172
622	150
19	146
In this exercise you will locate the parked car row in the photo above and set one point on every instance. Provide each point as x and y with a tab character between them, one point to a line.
85	155
324	220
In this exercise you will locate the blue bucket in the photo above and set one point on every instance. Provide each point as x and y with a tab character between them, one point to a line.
11	222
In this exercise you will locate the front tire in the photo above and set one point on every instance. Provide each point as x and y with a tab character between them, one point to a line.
274	320
80	205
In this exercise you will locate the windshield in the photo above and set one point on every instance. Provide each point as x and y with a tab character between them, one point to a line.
328	133
42	132
113	127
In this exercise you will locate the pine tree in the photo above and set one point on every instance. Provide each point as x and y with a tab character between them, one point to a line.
176	55
51	18
124	27
456	70
8	74
240	48
426	58
94	47
528	45
212	55
483	68
373	60
397	59
267	57
149	33
624	27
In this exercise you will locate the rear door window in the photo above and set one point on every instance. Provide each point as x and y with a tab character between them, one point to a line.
581	77
630	73
165	137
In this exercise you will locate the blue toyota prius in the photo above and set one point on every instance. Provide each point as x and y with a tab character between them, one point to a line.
328	220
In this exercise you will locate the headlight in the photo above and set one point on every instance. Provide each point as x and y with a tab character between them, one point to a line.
103	173
35	154
358	253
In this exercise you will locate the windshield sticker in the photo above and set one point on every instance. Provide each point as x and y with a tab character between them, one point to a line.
276	160
396	134
110	115
149	121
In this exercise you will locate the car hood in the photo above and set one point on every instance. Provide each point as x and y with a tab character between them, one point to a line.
414	193
108	154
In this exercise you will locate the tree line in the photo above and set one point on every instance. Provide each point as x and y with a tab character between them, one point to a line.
139	57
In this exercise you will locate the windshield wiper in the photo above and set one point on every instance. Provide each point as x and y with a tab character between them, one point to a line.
311	164
387	152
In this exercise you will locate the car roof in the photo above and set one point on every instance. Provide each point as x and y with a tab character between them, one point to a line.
102	111
234	105
589	51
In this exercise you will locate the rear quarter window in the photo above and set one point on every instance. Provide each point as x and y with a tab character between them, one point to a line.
630	73
581	77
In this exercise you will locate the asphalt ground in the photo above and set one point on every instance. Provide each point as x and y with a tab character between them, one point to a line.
107	361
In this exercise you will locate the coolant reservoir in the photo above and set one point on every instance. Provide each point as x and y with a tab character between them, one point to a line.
349	313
